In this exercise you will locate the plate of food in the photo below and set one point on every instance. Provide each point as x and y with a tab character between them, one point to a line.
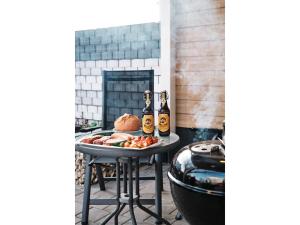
122	140
127	123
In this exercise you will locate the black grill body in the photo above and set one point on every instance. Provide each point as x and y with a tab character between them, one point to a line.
197	180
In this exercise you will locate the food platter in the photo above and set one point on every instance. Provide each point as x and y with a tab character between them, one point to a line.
118	142
116	147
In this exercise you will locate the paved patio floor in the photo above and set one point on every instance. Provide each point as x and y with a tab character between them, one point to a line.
99	212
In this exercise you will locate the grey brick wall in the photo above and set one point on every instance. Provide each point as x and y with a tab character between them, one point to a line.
125	42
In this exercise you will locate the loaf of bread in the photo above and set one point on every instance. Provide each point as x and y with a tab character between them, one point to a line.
127	122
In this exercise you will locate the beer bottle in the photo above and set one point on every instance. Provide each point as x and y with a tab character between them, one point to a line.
164	115
148	115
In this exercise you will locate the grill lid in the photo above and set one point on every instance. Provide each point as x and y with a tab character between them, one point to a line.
201	167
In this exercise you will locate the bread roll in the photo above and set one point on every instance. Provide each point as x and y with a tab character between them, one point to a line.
127	122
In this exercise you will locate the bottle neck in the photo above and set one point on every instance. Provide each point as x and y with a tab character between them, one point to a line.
163	99
164	104
148	103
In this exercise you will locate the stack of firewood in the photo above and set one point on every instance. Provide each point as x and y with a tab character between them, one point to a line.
80	164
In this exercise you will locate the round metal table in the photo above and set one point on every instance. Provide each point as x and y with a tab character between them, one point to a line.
130	157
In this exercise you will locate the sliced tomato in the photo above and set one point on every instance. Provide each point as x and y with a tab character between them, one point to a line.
149	141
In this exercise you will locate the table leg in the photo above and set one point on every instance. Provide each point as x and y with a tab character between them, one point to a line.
158	187
125	177
137	190
116	212
124	189
130	203
161	172
87	190
100	177
119	211
137	177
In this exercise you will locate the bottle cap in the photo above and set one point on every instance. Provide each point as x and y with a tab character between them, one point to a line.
147	94
164	95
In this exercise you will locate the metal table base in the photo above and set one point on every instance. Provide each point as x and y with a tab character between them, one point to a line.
128	197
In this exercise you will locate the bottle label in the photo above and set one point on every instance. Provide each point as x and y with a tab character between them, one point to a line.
163	122
148	124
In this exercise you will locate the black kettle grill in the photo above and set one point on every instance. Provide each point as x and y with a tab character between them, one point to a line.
197	180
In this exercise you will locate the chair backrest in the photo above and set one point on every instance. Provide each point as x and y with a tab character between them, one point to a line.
123	93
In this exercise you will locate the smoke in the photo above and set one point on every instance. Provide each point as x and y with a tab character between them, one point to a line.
206	111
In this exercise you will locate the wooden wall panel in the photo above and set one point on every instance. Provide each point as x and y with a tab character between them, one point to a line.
198	18
200	93
207	108
201	33
192	121
200	63
198	5
214	78
200	48
204	63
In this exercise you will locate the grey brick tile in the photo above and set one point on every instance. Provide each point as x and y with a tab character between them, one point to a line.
106	55
125	110
79	49
101	32
131	54
151	44
118	55
132	36
89	33
151	27
89	48
77	41
95	40
101	48
156	53
136	96
106	39
144	36
137	28
79	34
131	87
96	56
117	38
124	45
112	47
85	56
135	45
144	54
155	35
125	96
84	41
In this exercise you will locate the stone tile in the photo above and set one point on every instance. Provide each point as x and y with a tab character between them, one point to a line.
78	208
166	214
78	190
180	222
95	215
121	220
140	215
77	220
